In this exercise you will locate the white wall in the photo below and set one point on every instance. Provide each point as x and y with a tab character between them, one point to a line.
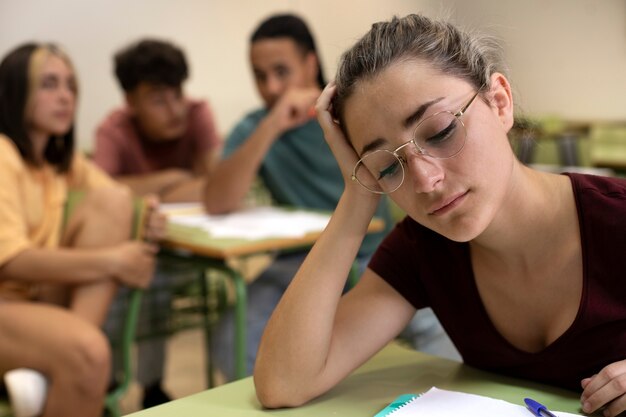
566	56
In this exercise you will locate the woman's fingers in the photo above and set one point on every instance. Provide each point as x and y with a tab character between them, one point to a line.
605	389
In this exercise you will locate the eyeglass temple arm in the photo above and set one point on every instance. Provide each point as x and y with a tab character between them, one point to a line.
460	112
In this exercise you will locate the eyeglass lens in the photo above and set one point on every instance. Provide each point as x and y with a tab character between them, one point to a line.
441	135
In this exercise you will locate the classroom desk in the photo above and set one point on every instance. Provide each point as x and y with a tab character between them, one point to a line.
216	253
610	157
393	371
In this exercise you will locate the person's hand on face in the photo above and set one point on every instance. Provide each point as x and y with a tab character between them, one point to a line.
294	108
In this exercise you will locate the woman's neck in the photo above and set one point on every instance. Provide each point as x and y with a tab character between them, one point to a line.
535	218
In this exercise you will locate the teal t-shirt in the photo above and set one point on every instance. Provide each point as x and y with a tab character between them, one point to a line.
300	170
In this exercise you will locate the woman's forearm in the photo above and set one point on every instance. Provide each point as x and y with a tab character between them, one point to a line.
294	349
58	266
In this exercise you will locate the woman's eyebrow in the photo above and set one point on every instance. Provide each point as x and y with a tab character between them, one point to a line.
417	114
414	117
376	143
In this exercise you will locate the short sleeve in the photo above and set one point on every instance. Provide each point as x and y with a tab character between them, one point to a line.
242	131
106	152
13	225
204	128
84	175
396	261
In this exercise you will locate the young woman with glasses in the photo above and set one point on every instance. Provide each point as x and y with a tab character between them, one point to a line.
524	269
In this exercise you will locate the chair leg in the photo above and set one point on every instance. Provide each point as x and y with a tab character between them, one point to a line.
240	324
204	290
112	399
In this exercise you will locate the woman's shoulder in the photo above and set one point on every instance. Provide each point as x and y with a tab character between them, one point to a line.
587	183
596	188
601	201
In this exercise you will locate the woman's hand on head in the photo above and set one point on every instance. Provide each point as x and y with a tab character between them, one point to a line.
344	153
605	389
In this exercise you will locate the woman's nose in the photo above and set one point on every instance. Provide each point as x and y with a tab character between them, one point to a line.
424	172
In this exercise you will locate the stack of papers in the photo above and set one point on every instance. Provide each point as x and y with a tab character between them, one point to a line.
441	403
250	224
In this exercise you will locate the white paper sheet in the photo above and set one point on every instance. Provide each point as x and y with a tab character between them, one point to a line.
442	403
253	223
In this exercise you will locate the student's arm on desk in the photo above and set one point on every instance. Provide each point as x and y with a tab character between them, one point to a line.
175	185
315	337
192	189
158	182
233	177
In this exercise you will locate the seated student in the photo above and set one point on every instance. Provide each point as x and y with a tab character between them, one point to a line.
160	143
56	280
523	268
284	145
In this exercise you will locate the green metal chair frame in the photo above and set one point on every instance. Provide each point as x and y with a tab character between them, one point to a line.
112	400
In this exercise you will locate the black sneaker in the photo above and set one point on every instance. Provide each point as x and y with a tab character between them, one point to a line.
154	395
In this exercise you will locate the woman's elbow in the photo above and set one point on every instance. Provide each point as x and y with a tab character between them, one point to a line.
273	393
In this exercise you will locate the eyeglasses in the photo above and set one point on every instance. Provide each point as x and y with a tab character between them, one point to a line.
441	136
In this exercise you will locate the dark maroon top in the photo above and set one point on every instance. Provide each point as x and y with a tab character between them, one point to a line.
431	270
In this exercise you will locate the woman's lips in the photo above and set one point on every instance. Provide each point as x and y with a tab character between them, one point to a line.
447	205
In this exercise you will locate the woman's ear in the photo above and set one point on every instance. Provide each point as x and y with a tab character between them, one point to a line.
502	99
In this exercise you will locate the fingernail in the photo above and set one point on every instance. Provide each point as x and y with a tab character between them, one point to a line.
586	407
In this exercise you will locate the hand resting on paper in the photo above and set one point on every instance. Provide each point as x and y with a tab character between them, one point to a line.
605	389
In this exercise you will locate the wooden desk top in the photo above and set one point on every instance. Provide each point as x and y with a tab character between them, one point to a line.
199	243
393	371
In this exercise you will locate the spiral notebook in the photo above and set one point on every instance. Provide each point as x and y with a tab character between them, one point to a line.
442	403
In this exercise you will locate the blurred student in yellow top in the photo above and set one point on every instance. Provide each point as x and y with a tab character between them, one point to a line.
56	279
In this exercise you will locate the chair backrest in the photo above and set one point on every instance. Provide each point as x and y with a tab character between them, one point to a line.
608	145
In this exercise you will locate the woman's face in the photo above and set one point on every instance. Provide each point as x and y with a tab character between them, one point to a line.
53	101
456	197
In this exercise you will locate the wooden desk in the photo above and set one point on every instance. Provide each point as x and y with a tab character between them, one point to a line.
393	371
223	248
215	253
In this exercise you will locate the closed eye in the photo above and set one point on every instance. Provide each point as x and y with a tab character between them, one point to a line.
389	171
442	135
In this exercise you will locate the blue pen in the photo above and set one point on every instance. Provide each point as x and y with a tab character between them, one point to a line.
538	409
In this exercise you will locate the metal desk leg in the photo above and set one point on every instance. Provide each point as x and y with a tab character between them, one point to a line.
568	149
204	290
240	324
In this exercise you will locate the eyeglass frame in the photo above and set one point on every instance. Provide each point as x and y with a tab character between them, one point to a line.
419	149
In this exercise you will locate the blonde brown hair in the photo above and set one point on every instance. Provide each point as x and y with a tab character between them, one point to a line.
470	56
